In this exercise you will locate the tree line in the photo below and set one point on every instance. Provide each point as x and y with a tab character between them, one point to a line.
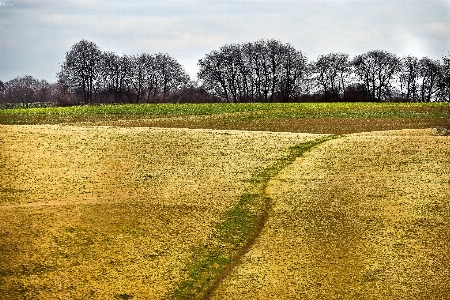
261	71
93	74
268	70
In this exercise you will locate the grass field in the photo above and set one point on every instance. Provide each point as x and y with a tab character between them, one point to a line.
124	211
332	118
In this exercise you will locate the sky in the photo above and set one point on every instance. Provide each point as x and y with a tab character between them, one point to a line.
36	34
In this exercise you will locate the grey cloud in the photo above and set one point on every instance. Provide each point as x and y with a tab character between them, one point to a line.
36	34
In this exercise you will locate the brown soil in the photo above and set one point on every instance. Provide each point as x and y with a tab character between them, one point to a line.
311	125
241	121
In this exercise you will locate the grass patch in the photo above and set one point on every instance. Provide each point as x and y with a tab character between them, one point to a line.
235	234
249	110
141	109
239	221
201	274
243	111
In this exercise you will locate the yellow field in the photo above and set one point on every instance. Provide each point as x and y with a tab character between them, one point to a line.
107	212
97	212
365	216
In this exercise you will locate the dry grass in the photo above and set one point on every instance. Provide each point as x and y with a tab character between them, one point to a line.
105	212
112	212
361	217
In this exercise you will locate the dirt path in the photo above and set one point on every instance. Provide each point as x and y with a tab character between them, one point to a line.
362	217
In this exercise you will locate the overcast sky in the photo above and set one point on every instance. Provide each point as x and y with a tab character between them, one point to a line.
36	34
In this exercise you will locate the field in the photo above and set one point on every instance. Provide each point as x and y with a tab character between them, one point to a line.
334	118
123	202
349	223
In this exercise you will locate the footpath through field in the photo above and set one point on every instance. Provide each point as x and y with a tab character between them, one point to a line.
365	216
118	213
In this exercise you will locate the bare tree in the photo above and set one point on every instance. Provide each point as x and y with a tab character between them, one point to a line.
168	75
408	77
377	69
153	76
26	90
292	73
331	74
113	70
140	66
2	92
444	85
232	56
81	68
261	69
212	74
430	74
266	70
61	94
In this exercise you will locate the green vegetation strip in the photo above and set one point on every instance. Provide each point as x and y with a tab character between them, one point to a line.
260	110
237	232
